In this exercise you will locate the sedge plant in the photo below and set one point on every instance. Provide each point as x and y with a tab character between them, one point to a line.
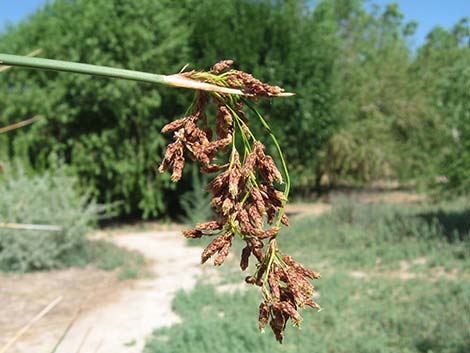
249	192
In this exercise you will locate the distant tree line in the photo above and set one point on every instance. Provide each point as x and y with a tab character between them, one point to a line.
368	106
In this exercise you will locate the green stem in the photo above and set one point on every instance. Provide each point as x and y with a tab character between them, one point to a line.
86	69
232	155
104	71
281	155
272	255
281	261
193	103
242	133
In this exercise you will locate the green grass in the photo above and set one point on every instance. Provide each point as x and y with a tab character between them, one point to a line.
109	257
378	313
380	236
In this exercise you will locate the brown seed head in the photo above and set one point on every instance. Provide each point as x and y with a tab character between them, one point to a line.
258	149
212	168
243	217
278	323
212	225
270	169
250	280
234	180
285	220
271	212
251	85
289	310
258	253
174	125
249	165
244	261
227	206
273	281
221	66
223	253
193	233
255	216
289	260
213	247
312	304
178	166
223	121
218	183
264	311
270	233
258	200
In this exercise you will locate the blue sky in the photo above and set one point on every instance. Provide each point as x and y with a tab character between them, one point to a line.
428	13
431	13
12	11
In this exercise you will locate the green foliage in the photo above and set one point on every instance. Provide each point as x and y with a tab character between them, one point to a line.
293	46
50	198
443	66
108	257
380	236
365	108
379	310
388	129
382	315
108	130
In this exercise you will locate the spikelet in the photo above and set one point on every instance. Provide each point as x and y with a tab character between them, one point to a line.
246	194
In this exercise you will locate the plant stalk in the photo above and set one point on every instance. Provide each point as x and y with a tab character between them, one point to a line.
20	124
109	72
33	53
31	322
21	226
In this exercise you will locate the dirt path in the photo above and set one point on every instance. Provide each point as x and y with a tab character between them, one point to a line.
123	323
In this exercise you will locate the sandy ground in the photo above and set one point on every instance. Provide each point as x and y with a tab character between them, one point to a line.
23	296
118	316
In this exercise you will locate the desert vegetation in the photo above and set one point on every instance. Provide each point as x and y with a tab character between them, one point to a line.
394	278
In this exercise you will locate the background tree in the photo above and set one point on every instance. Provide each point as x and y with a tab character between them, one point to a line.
367	106
443	63
109	131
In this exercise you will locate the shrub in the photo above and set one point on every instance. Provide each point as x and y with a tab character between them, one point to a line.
109	257
379	315
382	235
50	198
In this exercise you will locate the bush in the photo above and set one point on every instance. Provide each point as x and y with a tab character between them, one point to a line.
50	198
382	235
109	257
380	315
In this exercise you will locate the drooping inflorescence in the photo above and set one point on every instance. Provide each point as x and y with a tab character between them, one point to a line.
246	192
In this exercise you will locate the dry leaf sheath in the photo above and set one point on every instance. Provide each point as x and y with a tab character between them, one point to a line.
246	192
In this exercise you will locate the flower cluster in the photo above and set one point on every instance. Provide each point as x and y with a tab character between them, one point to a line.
245	194
289	289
